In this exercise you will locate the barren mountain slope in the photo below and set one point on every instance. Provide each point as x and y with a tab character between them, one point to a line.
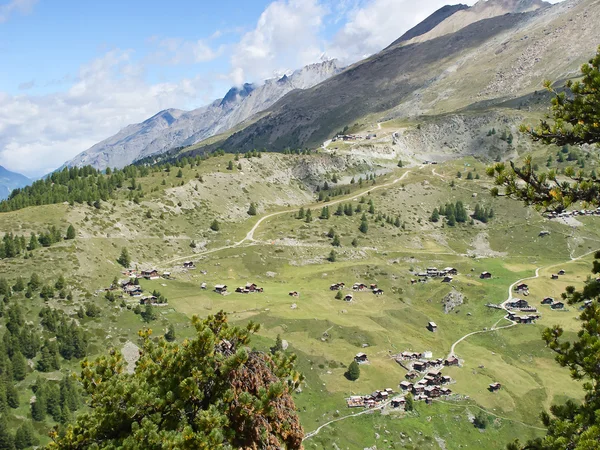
175	128
488	61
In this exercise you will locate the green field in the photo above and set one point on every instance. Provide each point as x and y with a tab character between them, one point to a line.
289	254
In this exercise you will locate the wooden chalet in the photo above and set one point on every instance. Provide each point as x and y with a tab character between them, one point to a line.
189	265
485	275
432	391
398	402
561	272
253	287
517	303
373	287
431	326
521	287
294	294
359	286
447	279
220	288
557	305
361	358
336	286
554	276
203	286
151	274
166	275
242	290
378	291
451	361
406	385
348	298
450	271
133	290
410	355
420	366
494	387
149	300
547	301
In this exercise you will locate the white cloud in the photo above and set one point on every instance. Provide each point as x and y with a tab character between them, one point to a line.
377	24
174	51
16	6
38	133
286	37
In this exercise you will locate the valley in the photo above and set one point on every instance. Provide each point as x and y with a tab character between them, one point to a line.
282	253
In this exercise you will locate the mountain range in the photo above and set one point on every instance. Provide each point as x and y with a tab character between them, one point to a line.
459	59
174	128
11	180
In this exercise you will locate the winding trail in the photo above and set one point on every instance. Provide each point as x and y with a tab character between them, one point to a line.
366	411
510	297
249	238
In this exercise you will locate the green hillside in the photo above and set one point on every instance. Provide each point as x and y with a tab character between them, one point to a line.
169	221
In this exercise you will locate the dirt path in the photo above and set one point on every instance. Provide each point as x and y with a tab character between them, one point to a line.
366	411
249	238
510	297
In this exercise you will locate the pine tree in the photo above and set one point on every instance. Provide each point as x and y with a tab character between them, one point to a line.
324	213
278	347
451	220
410	403
336	241
332	256
7	440
353	372
331	233
12	395
19	285
170	334
252	209
60	282
215	225
300	214
70	232
148	315
364	226
308	217
400	163
19	366
124	258
340	210
470	176
34	281
25	436
355	242
230	165
179	173
339	295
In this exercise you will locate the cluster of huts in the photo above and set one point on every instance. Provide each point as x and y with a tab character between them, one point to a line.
581	212
527	318
370	400
130	288
433	272
249	288
553	304
356	287
429	387
416	362
520	305
554	276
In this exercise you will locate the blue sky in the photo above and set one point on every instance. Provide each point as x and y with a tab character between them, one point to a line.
75	72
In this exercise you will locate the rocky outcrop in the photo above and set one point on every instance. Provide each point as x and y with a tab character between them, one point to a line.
452	300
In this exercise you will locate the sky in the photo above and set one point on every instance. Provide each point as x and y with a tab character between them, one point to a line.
76	72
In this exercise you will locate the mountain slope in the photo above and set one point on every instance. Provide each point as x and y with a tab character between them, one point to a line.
487	61
430	22
11	180
175	128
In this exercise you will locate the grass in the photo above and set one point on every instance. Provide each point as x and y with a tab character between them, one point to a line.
290	255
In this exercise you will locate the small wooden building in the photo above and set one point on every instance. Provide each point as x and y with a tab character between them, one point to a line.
431	326
220	288
485	275
494	387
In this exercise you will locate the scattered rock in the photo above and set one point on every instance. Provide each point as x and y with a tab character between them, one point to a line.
284	344
452	300
131	354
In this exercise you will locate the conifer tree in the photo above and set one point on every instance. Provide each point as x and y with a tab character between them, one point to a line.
215	225
364	226
336	241
353	372
339	295
332	256
70	232
252	209
124	258
7	440
170	334
25	436
234	397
